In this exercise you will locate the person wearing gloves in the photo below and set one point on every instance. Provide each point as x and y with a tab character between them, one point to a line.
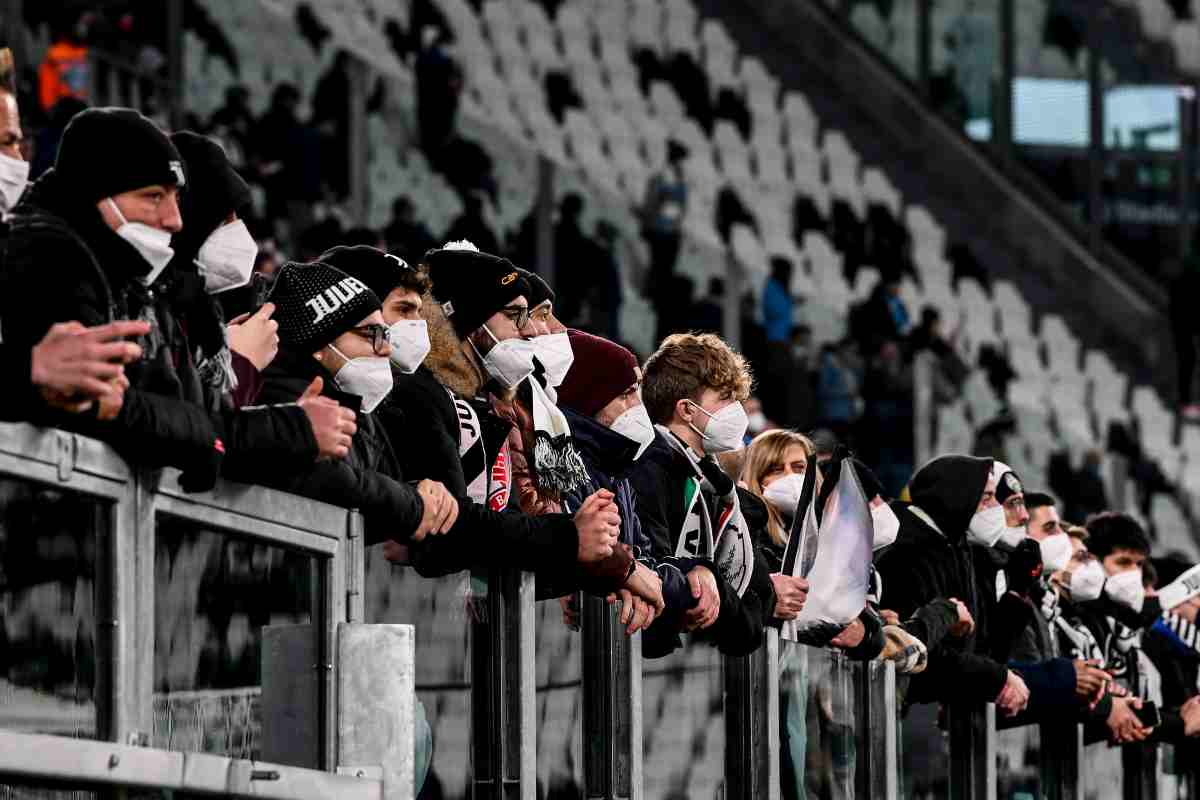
104	217
693	387
953	506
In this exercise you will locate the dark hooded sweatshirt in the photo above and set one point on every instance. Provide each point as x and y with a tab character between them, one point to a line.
926	564
64	263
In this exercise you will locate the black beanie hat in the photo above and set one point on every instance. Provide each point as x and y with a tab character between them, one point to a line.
107	151
539	290
471	286
316	303
380	271
215	188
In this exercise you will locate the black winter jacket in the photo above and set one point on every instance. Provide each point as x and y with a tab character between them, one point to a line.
925	564
431	447
21	398
658	479
94	280
609	457
371	480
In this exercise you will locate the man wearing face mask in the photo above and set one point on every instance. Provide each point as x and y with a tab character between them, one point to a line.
602	400
1039	640
693	388
103	217
14	169
215	253
953	506
334	340
552	351
485	300
419	413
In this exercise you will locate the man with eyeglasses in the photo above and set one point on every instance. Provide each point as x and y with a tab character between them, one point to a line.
422	427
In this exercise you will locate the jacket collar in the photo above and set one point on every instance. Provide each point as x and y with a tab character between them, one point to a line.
612	453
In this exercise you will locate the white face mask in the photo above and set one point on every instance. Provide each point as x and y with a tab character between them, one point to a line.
986	526
553	350
726	429
784	493
1011	537
409	339
1086	582
887	525
758	422
369	377
1056	552
508	362
226	258
1126	588
14	175
152	244
634	423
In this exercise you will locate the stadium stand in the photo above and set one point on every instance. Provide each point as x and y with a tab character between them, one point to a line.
1064	398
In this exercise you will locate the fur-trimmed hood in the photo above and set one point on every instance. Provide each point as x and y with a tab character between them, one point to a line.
446	359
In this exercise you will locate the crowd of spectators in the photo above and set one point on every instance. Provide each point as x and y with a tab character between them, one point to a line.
448	401
482	415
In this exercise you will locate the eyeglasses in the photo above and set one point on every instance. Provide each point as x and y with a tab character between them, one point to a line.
377	335
518	315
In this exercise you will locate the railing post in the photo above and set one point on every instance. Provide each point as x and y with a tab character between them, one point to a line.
752	722
972	751
877	765
1139	771
503	704
355	568
612	705
1061	757
141	723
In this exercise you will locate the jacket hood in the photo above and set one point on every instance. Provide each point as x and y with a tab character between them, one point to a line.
446	359
948	489
611	452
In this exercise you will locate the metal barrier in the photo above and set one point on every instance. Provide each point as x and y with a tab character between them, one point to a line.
150	567
78	497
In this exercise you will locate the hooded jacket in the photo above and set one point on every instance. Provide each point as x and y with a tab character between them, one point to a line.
927	563
659	479
94	281
162	420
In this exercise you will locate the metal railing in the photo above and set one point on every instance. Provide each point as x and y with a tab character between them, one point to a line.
144	703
